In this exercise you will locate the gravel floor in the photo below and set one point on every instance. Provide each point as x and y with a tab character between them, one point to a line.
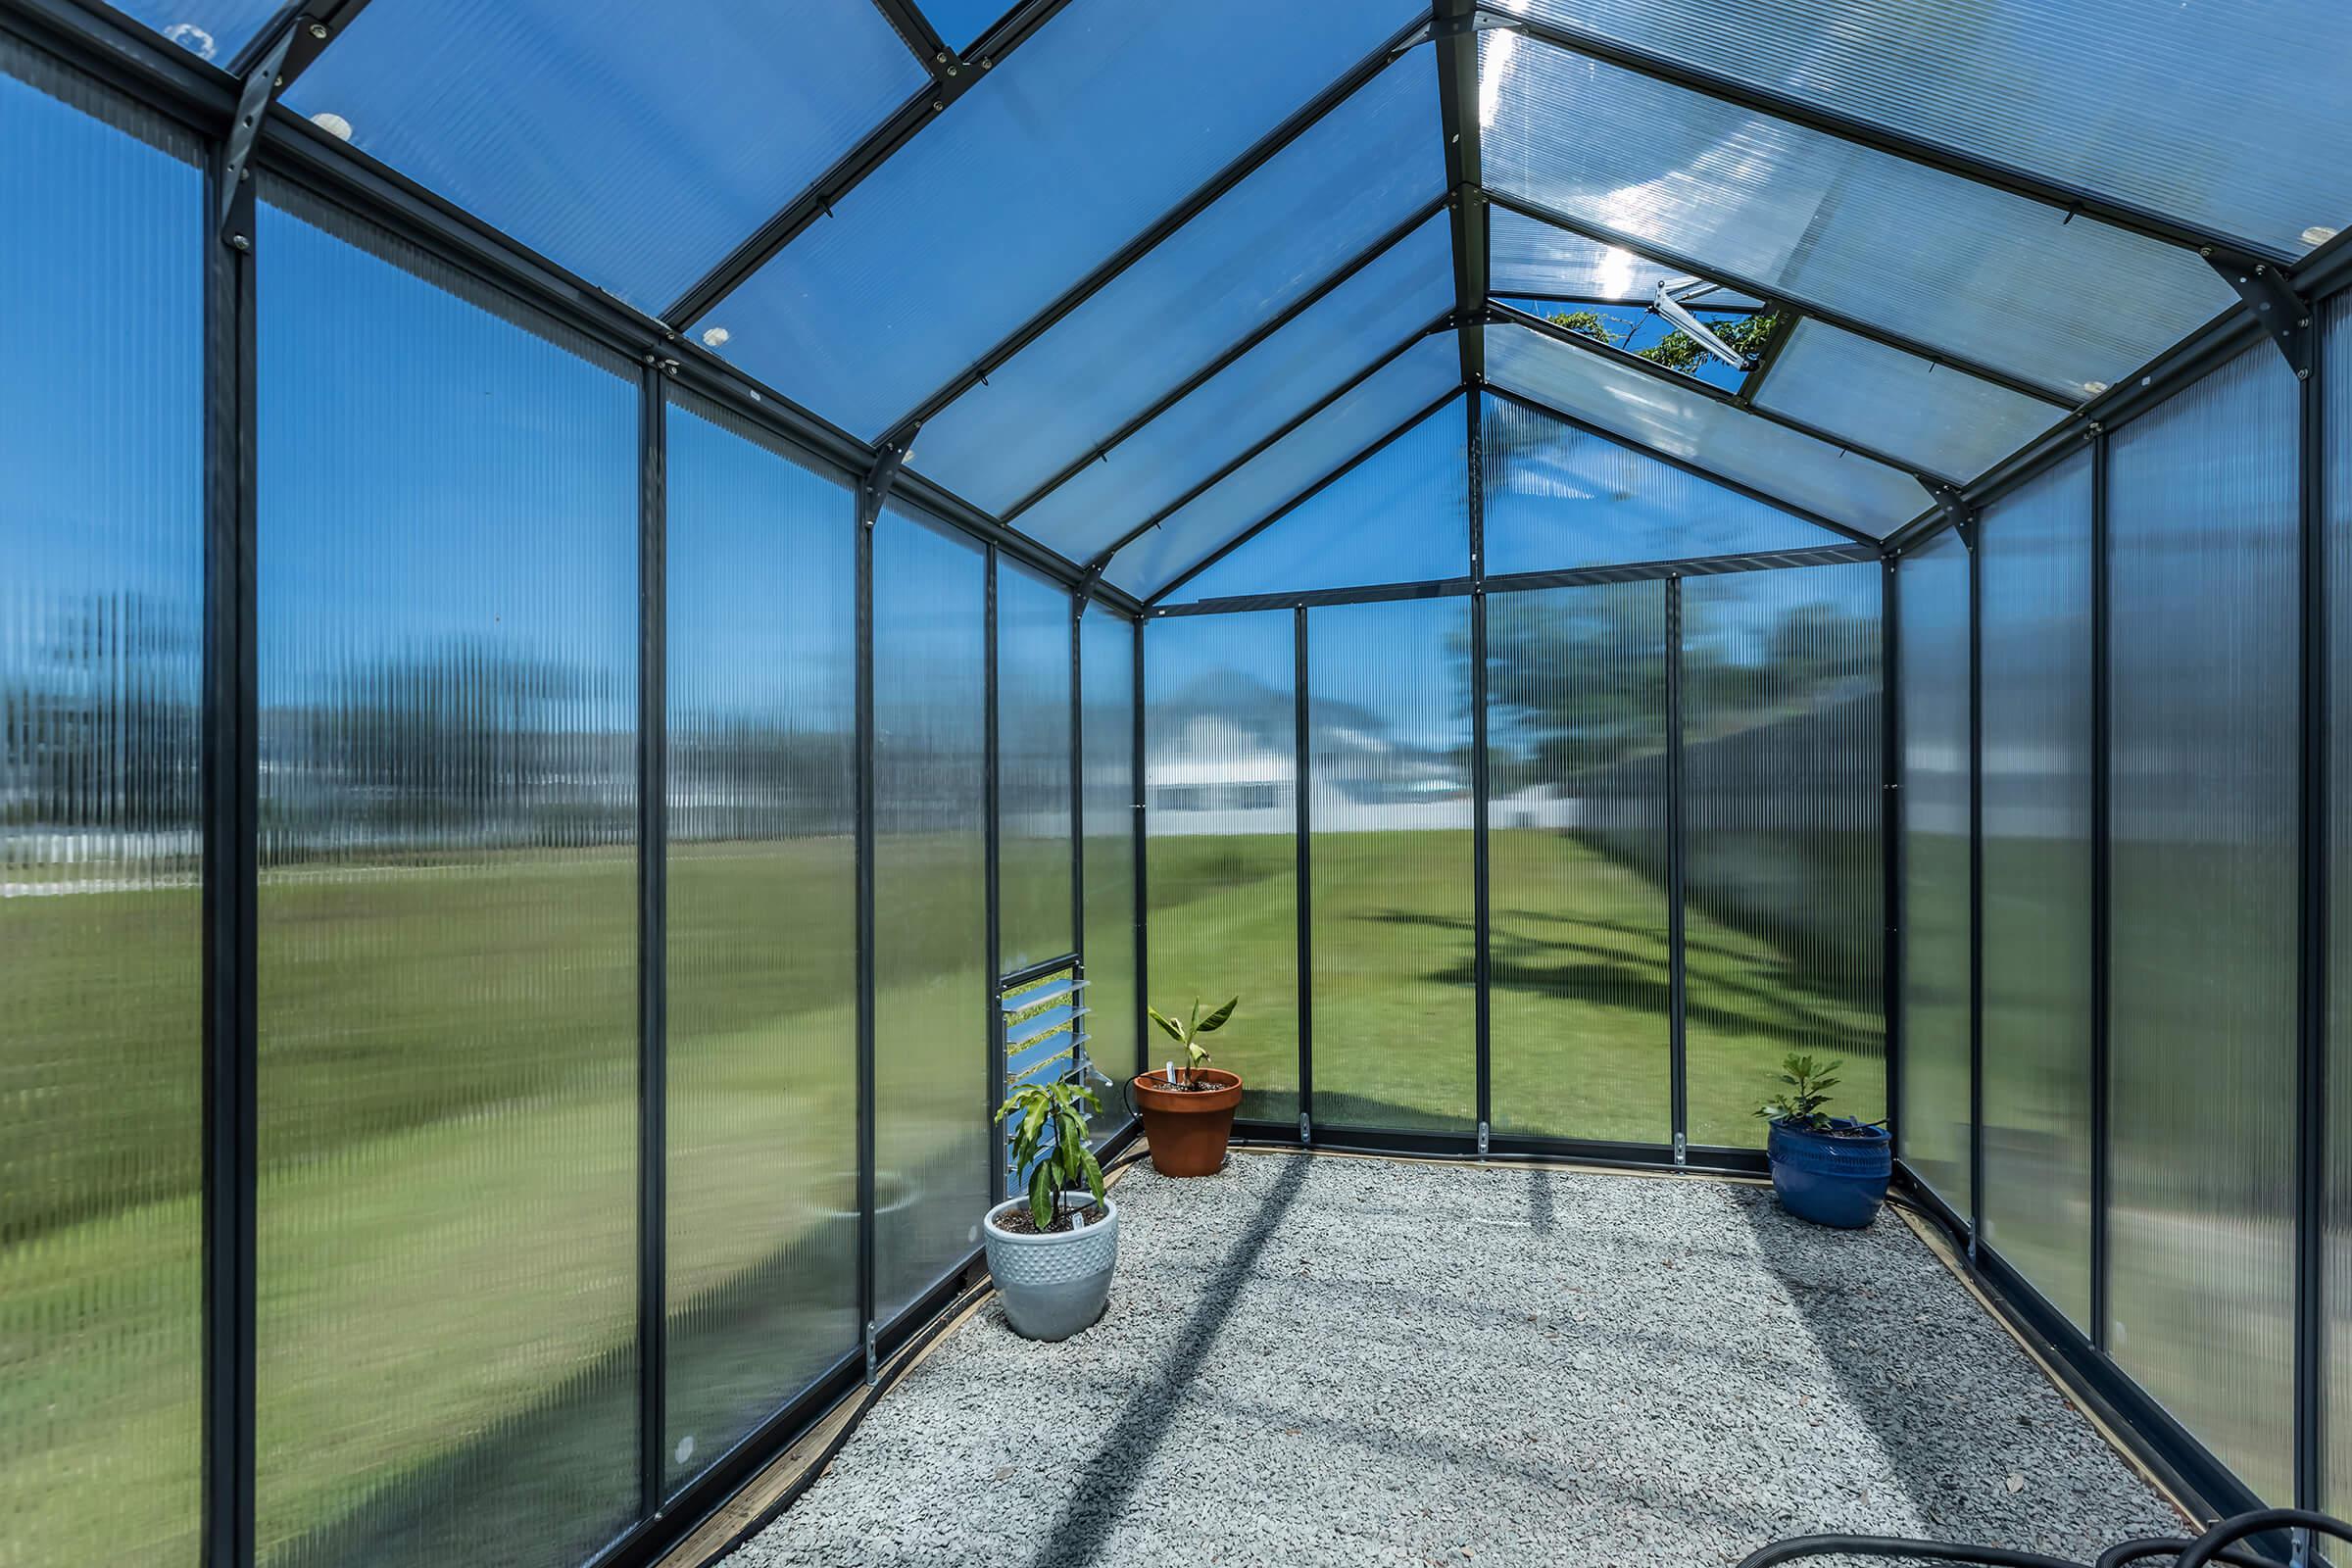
1340	1361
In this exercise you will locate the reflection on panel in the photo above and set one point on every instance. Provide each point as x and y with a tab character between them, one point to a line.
448	1081
1106	680
762	959
2202	502
1391	864
1577	843
2337	1283
1933	1116
1220	732
2035	551
932	1029
101	632
1033	768
1781	770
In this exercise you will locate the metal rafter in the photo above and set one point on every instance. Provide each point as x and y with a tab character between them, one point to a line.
1814	307
1926	478
850	170
264	67
922	40
2069	199
1694	469
1278	513
1210	371
1454	25
1199	200
1443	322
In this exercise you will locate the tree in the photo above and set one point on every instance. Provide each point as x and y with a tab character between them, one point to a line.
1678	350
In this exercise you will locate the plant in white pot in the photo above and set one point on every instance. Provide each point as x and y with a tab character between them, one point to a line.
1052	1249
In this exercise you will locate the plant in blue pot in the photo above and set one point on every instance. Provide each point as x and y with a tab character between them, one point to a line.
1829	1170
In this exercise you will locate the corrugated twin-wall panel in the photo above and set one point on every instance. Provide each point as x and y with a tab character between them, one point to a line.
101	693
1221	824
448	580
763	923
1781	768
1107	683
932	1026
2035	550
2203	509
1937	1109
1392	865
1033	770
1576	836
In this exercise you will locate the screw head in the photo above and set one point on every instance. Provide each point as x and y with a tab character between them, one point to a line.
318	29
239	242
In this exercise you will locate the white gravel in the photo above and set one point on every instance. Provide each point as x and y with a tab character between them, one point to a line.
1322	1360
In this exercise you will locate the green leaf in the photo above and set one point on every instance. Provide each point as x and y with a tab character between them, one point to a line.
1035	1119
1216	1020
1173	1029
1094	1175
1041	1195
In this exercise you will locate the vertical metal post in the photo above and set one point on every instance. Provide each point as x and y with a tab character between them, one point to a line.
1972	538
1482	915
1302	733
1139	825
1077	785
2103	859
652	940
2318	849
868	510
1890	843
992	799
1677	814
231	894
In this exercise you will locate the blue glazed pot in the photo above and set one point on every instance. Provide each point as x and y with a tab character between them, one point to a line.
1829	1180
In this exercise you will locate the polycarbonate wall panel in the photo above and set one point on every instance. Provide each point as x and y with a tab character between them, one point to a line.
2203	538
1221	821
1684	422
1068	148
933	1028
1035	849
101	639
2033	547
762	921
1391	864
2187	110
1315	353
1400	516
1578	832
1556	497
1362	170
448	923
209	30
1762	203
1526	255
1936	1114
1106	680
636	151
2336	461
1781	864
960	22
1276	478
1947	421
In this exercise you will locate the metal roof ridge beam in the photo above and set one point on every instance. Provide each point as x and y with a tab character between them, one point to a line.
1196	202
1454	23
2111	211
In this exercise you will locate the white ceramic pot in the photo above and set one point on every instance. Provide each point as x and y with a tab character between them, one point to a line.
1056	1284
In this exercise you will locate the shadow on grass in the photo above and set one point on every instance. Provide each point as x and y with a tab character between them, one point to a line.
1079	1535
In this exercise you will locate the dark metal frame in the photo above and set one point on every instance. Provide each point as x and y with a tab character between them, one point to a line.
652	938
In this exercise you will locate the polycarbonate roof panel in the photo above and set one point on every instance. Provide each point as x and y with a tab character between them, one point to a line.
1075	143
1260	248
1527	257
1402	515
1276	476
635	146
1946	420
209	30
1312	355
960	21
1685	422
1766	205
1556	498
2227	113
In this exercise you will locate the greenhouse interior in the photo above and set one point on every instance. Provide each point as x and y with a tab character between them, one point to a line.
681	684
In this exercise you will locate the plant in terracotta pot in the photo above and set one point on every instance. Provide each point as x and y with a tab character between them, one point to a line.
1832	1170
1052	1249
1188	1114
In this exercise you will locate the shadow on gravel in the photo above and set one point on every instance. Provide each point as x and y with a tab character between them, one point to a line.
1084	1527
1540	1216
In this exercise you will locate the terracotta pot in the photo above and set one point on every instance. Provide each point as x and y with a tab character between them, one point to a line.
1188	1128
